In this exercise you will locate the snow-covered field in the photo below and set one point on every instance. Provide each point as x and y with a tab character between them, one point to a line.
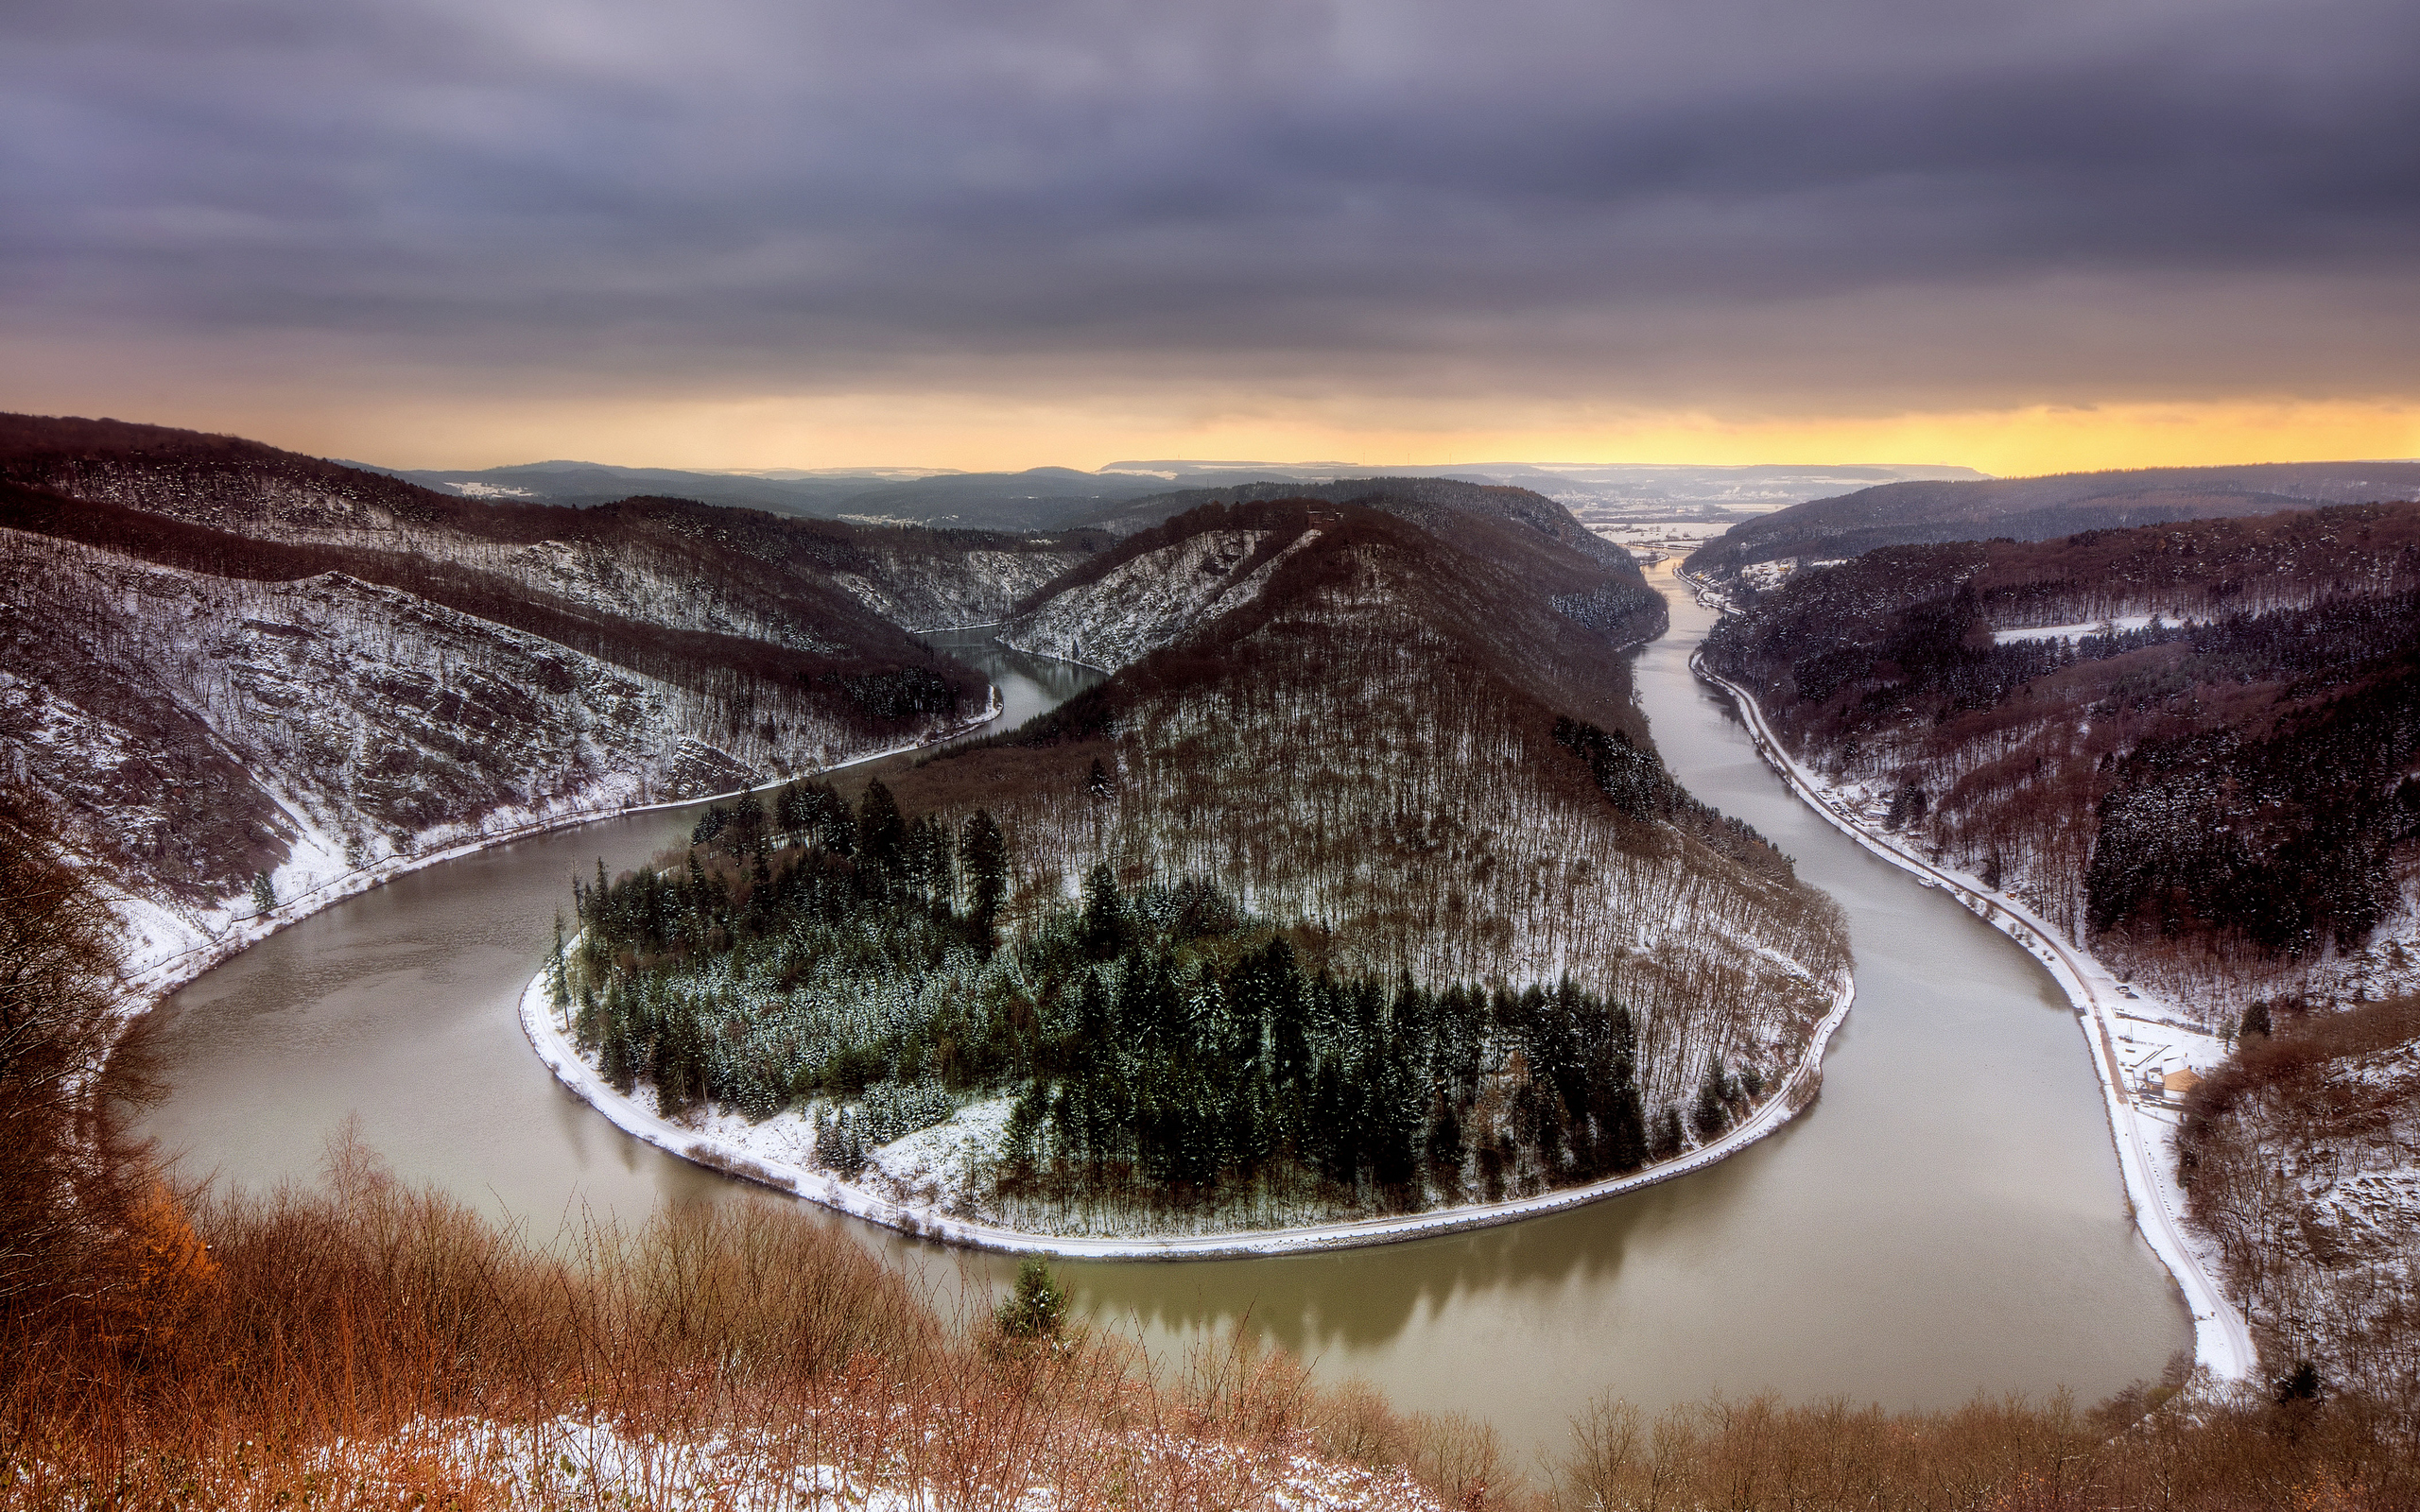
2129	1034
2083	628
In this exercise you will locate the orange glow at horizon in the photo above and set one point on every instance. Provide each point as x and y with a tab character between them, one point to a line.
974	432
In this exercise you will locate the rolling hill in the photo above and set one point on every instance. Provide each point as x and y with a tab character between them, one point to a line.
236	664
2040	508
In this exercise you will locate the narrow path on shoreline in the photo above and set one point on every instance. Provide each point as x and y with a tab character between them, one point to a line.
2222	1341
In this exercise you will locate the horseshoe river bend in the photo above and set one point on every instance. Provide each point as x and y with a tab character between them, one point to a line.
1947	1219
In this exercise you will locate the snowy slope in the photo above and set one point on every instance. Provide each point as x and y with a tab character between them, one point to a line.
1151	601
200	730
1371	747
972	585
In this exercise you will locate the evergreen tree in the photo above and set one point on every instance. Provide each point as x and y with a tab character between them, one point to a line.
984	852
617	1063
1711	1115
812	813
1393	1116
1026	1119
1624	1116
1266	993
882	837
1038	1306
1105	926
1446	1146
1664	1138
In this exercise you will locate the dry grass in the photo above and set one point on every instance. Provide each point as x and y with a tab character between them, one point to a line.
2002	1455
364	1343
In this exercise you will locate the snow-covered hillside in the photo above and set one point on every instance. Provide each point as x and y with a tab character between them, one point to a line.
1152	600
642	566
1358	732
913	585
2303	1162
201	730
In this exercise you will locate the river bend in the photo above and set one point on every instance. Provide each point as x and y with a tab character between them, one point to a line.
1947	1219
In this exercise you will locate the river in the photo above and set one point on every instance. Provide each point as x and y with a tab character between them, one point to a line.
1947	1219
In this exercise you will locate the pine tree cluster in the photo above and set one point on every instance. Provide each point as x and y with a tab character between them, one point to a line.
853	960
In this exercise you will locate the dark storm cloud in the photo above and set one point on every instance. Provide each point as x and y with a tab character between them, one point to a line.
1705	195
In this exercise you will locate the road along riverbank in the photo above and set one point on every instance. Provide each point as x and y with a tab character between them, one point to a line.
2222	1342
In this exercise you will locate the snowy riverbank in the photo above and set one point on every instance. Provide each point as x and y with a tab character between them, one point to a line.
168	949
776	1153
2109	1014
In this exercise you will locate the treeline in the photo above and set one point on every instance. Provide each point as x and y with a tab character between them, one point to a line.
1159	1043
1180	1050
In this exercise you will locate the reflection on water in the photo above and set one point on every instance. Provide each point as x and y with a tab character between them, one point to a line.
1028	684
1947	1219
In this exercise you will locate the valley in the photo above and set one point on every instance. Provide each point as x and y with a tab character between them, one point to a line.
1846	1254
1163	1003
1293	872
774	757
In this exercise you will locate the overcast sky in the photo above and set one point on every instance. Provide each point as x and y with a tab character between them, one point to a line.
478	230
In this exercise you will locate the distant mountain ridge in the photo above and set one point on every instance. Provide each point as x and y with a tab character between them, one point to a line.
1514	527
1054	497
1041	498
2039	509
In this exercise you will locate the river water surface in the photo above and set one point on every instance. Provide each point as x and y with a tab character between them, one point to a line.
1947	1219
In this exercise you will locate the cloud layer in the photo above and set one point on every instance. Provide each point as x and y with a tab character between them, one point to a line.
1761	208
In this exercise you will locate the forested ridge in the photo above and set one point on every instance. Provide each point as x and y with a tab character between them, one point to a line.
1364	891
1370	742
1162	1046
1593	581
2219	788
2043	508
247	673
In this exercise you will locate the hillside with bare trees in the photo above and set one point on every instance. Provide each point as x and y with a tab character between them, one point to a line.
252	677
2195	750
1357	889
2186	745
2303	1155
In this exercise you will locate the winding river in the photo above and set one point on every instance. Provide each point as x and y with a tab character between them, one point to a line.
1948	1218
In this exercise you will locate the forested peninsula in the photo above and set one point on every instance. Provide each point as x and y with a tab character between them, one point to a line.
1358	890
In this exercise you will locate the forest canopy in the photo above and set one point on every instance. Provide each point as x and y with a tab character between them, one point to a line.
1153	1044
